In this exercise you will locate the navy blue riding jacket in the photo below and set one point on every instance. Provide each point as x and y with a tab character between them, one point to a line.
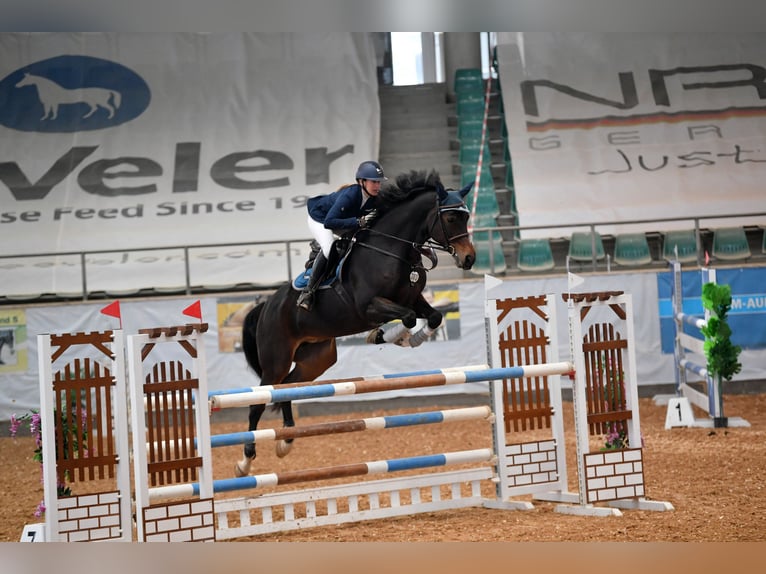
340	209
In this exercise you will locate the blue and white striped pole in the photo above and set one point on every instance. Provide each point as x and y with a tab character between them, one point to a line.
286	393
371	423
275	479
237	390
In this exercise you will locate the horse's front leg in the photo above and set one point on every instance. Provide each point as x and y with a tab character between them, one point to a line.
401	335
382	310
433	322
424	309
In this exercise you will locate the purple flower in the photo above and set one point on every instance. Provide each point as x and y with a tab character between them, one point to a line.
34	423
15	424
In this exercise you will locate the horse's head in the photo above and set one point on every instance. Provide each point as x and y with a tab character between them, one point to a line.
450	227
444	221
25	81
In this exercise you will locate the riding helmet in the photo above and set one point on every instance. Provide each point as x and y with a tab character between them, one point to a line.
370	170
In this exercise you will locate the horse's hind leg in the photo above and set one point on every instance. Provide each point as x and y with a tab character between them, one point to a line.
242	468
51	111
275	371
284	446
311	360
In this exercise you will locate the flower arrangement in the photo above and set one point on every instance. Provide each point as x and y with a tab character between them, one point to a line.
615	439
614	400
32	419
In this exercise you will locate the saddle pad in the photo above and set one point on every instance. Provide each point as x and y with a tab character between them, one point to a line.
303	279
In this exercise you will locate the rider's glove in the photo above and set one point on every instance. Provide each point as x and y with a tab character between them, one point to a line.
365	220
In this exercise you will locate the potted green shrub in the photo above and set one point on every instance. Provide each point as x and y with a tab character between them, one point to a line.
722	356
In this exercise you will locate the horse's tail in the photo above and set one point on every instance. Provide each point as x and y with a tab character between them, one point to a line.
249	340
117	97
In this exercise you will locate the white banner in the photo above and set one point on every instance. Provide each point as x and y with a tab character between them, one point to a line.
110	141
610	128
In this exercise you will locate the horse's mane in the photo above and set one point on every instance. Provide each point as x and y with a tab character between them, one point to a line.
405	187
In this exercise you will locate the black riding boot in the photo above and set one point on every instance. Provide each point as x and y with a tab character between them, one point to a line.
306	299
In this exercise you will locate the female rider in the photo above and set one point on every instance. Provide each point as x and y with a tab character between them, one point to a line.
348	209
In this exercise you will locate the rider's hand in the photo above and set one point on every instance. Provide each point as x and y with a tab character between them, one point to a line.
365	220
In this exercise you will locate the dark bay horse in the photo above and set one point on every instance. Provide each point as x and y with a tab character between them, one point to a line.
381	280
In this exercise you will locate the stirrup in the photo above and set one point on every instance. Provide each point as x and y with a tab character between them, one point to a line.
306	300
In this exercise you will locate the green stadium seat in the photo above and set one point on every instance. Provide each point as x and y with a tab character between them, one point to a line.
473	142
488	259
680	245
468	79
486	202
468	174
535	255
470	130
473	108
484	220
485	195
470	152
632	249
581	246
470	96
730	243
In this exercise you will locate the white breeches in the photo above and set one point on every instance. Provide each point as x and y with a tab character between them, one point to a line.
324	236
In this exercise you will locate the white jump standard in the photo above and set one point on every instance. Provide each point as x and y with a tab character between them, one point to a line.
689	357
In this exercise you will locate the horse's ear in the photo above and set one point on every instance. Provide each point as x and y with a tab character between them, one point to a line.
441	193
463	192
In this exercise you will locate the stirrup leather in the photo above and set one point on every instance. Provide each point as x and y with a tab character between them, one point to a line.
306	300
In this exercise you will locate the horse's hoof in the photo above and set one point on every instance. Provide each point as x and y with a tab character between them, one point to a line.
242	468
375	337
283	447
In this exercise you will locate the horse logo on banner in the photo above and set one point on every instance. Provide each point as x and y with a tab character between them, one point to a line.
52	95
72	94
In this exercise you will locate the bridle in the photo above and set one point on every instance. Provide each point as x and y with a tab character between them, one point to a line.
440	209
